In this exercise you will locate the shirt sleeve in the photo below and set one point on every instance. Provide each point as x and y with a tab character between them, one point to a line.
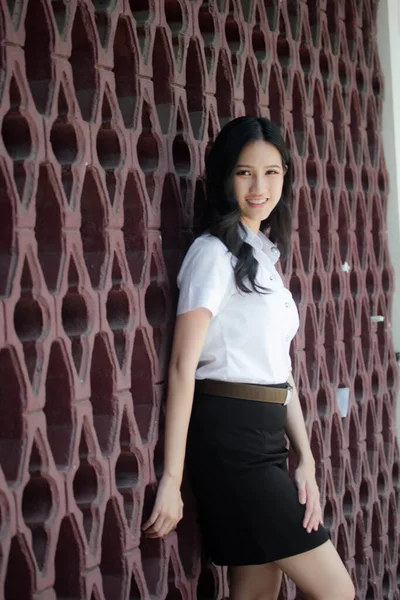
206	276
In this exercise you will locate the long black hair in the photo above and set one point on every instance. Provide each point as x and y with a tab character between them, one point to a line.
221	215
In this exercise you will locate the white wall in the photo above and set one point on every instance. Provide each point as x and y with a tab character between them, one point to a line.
389	54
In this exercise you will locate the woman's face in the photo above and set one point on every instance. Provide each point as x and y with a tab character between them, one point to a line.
258	182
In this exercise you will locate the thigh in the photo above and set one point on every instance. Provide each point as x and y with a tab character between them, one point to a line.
255	582
319	573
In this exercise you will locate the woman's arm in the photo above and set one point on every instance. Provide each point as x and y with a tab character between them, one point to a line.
296	429
305	472
189	336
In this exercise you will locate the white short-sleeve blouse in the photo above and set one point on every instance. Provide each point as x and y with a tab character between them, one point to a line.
249	336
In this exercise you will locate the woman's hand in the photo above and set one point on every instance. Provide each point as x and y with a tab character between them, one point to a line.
309	495
167	511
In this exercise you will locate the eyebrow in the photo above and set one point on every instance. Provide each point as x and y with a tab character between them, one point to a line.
266	167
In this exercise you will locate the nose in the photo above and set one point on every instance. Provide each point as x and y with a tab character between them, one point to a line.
259	184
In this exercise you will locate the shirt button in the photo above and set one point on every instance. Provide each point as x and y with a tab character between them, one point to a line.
272	277
287	304
274	249
287	338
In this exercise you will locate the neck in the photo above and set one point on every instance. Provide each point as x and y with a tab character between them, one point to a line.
253	225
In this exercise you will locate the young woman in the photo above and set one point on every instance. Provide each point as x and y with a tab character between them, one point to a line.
231	395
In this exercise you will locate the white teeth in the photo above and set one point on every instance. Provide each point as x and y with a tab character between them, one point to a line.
254	202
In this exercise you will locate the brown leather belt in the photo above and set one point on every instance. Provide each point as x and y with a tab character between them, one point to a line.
243	391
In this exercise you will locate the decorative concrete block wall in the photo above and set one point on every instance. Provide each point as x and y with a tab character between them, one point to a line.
107	110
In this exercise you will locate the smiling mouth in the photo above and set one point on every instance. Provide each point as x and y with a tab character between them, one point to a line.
257	202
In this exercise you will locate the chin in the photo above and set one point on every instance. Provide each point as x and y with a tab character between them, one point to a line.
265	214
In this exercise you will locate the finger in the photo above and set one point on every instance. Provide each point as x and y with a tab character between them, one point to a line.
151	520
308	514
168	527
151	534
312	506
309	509
163	530
316	519
162	526
319	516
310	524
155	528
306	520
302	493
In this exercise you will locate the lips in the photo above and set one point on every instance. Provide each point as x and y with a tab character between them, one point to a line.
255	202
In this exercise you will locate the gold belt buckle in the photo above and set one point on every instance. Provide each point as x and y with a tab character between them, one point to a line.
288	394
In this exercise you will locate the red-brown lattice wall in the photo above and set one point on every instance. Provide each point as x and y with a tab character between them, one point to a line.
107	109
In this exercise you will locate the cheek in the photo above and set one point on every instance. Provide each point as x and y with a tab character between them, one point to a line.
278	189
239	189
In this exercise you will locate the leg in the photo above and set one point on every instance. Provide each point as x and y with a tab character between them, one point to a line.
255	582
319	573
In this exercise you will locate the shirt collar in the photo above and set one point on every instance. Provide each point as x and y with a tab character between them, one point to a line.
259	241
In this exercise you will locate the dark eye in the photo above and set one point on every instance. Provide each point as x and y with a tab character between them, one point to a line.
243	172
272	172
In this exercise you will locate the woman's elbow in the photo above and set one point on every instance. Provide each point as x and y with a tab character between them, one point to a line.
181	370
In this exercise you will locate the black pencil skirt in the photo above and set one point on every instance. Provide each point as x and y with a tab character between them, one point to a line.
247	503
